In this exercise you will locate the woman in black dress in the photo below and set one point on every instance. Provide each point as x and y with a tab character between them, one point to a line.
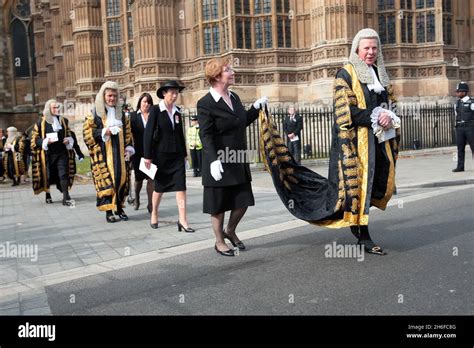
165	146
138	121
223	121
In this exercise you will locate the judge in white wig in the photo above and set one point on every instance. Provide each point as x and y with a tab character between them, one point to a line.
364	118
13	153
108	137
52	153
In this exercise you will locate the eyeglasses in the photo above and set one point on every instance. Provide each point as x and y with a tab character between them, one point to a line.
228	70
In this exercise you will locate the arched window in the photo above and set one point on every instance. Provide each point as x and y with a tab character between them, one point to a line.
20	49
21	30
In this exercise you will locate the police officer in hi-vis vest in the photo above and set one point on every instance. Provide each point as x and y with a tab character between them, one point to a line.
464	110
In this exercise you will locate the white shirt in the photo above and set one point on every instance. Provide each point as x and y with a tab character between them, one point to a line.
162	107
143	118
216	96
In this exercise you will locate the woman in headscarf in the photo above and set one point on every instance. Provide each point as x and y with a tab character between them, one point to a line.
364	150
108	137
52	153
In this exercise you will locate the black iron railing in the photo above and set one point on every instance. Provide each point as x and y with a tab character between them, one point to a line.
423	126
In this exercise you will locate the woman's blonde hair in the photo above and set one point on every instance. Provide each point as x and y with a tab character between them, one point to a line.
214	68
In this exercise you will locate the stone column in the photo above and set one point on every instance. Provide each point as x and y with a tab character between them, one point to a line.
87	35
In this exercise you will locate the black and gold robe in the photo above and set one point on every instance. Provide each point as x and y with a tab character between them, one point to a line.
110	172
42	178
13	161
361	171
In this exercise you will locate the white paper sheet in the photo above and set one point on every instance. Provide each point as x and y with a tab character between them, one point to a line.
52	136
150	172
295	138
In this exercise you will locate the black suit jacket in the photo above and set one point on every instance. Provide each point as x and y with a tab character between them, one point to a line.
170	140
138	132
294	127
221	130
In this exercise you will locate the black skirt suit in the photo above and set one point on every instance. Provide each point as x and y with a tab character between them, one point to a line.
138	132
164	143
222	129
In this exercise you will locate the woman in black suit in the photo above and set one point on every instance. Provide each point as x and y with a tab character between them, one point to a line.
138	121
165	146
223	121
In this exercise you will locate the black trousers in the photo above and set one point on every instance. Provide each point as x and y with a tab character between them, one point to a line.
196	157
295	149
464	135
58	167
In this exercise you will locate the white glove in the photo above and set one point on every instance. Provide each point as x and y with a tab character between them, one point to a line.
216	170
260	103
70	145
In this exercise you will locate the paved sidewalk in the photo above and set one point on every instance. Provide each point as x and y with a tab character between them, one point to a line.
71	239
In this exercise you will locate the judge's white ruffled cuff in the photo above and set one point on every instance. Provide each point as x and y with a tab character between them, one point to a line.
45	144
105	138
378	130
70	145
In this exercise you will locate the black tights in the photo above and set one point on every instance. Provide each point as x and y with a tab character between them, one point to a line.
362	231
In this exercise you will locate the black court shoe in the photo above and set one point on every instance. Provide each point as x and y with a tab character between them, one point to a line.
239	244
229	252
371	248
181	227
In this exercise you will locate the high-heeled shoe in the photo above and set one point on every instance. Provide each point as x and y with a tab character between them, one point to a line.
149	207
154	226
229	252
181	227
239	244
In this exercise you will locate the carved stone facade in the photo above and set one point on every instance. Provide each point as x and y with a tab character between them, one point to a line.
4	68
80	44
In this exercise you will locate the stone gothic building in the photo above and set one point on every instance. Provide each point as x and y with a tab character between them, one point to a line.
288	50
